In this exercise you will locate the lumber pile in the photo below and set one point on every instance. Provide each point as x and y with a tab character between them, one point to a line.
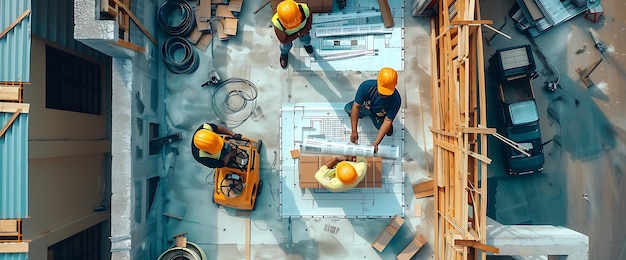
459	130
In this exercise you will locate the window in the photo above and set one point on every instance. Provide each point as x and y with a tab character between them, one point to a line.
84	245
72	83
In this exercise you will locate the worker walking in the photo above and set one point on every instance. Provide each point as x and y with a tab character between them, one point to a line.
380	101
292	20
210	149
342	173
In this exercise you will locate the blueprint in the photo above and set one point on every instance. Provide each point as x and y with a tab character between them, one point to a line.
330	122
355	39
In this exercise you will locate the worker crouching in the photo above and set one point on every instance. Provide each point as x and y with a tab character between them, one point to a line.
210	148
342	173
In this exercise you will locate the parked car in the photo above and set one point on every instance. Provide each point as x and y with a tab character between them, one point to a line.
516	68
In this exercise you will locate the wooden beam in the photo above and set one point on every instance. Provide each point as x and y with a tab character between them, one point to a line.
12	107
129	45
137	22
10	92
20	247
470	22
476	130
477	245
424	189
14	23
8	124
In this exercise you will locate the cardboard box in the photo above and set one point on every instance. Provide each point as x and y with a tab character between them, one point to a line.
309	164
316	6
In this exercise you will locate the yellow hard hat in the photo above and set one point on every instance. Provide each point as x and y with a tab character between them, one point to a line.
208	141
387	81
289	14
346	172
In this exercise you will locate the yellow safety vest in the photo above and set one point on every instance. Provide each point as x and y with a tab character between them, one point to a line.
305	13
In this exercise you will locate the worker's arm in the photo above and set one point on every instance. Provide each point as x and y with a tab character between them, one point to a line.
223	130
334	161
384	128
354	120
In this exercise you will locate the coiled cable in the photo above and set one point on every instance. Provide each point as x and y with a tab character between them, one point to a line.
188	63
234	106
169	23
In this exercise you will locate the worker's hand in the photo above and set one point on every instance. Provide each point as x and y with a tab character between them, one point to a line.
375	147
341	158
354	137
237	136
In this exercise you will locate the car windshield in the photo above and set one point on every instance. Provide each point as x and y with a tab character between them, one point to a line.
523	112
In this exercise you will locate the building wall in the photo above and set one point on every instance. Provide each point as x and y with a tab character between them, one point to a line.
68	171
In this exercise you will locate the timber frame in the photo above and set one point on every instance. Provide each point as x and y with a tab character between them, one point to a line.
459	131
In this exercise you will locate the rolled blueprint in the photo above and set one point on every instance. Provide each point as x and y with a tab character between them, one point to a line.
316	146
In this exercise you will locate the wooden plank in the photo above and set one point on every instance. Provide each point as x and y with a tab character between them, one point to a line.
385	12
424	189
235	5
194	36
388	233
204	10
203	26
417	209
14	23
21	247
471	22
220	30
204	41
10	93
129	45
411	249
476	130
248	238
8	227
137	22
223	12
10	122
477	245
230	26
12	107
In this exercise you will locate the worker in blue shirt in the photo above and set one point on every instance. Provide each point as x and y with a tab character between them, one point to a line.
380	101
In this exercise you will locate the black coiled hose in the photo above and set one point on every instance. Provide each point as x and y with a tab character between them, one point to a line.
169	23
186	61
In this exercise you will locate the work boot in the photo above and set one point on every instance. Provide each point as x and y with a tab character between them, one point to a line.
390	131
308	49
284	59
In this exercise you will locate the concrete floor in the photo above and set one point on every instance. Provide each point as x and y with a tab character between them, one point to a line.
253	55
587	121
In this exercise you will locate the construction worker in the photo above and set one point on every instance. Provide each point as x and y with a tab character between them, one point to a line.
379	100
209	148
342	173
292	20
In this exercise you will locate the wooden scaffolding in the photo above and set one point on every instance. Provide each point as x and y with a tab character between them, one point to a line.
459	131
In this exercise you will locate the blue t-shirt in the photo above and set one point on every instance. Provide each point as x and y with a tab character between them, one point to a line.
367	96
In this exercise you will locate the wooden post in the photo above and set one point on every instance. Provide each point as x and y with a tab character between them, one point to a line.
586	72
